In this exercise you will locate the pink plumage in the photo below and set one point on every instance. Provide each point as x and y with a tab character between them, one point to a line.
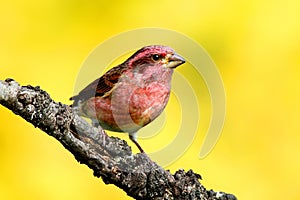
132	94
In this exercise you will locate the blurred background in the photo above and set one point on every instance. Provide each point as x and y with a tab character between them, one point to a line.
255	44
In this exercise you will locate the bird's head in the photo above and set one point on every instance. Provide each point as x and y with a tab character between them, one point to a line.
156	55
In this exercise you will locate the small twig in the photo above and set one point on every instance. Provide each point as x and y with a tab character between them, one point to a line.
109	157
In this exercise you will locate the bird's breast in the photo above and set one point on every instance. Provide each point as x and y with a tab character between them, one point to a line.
139	104
129	107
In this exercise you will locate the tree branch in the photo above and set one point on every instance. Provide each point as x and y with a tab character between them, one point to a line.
109	157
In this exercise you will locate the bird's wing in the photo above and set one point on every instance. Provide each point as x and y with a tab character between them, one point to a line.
100	86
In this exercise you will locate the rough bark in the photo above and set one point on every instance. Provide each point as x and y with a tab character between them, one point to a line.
109	157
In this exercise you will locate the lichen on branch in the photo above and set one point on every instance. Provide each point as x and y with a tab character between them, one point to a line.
109	157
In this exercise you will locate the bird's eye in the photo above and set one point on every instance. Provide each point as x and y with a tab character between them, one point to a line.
156	57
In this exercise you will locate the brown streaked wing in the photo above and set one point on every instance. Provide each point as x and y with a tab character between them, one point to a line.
101	85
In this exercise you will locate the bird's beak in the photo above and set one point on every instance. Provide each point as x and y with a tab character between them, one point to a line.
175	60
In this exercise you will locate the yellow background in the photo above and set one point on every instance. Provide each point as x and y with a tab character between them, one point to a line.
255	44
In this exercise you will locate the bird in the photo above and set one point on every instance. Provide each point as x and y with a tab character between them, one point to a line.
132	94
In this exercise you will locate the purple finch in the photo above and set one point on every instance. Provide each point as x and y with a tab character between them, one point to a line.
132	94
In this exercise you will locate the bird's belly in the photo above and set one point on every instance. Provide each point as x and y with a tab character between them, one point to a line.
128	111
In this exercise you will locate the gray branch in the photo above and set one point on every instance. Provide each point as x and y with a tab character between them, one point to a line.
110	158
